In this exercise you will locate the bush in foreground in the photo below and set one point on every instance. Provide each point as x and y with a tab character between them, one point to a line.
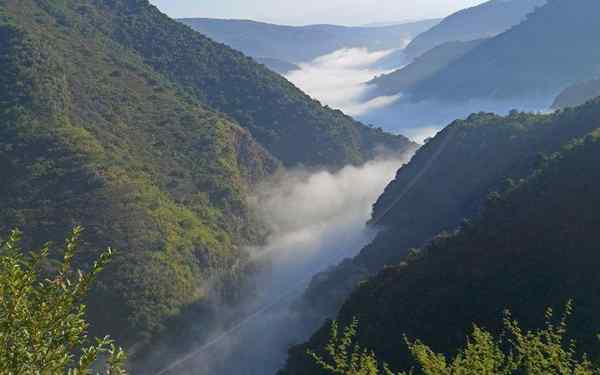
514	352
42	315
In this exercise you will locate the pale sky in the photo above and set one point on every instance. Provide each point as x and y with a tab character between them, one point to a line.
293	12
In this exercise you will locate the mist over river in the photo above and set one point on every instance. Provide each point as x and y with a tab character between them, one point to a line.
316	219
340	80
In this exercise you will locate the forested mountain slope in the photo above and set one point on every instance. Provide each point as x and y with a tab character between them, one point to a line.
446	182
107	120
552	49
282	118
534	246
482	21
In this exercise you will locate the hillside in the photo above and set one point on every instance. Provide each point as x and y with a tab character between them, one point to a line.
421	68
533	59
446	182
577	94
151	136
293	127
534	246
279	66
262	40
482	21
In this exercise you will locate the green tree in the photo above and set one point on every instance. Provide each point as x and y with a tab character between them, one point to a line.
42	315
514	352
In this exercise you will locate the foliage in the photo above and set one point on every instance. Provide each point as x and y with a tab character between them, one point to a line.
545	351
42	316
117	117
347	357
450	178
531	244
287	122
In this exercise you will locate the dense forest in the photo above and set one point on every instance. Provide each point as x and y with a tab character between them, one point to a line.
532	246
157	140
151	136
447	181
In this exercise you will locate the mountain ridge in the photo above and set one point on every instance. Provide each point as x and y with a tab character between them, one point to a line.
101	129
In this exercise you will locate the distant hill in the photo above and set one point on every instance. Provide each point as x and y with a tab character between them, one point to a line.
482	21
152	137
577	94
304	43
534	59
421	68
477	251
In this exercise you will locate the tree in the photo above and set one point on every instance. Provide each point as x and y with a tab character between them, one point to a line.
42	315
515	352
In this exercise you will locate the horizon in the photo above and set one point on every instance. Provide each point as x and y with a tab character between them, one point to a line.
330	12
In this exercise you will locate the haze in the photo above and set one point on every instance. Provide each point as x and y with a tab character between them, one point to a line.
343	12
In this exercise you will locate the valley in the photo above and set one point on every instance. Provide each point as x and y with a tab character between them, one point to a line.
245	197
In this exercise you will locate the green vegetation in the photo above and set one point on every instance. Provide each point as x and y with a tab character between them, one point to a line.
545	351
293	127
533	245
450	178
107	119
42	316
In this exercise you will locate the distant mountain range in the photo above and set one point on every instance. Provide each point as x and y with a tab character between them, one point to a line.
423	67
483	21
301	44
534	58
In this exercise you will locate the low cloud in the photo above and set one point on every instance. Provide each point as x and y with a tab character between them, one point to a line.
339	79
316	219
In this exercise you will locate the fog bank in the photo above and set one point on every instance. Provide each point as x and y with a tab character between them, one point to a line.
420	120
316	219
339	79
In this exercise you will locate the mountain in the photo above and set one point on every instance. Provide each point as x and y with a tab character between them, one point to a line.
482	21
533	59
446	182
534	246
261	40
577	94
279	66
421	68
151	136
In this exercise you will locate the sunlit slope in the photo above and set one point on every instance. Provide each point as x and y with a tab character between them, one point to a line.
106	121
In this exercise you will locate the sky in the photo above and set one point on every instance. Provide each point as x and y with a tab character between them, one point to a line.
293	12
